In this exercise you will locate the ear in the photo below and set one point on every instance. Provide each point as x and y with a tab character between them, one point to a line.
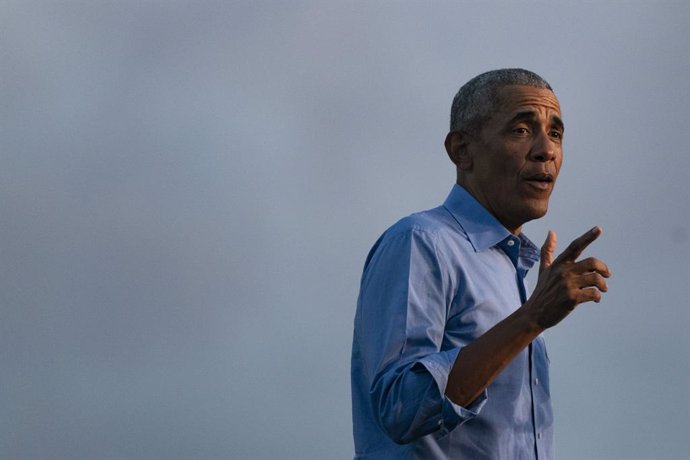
456	146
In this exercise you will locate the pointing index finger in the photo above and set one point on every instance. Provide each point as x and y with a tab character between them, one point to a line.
579	244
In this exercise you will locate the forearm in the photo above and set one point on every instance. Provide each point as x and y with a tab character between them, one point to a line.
563	284
407	400
480	362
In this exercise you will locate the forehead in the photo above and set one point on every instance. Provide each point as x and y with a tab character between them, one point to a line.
517	98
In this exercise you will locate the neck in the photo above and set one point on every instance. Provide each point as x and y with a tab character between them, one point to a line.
514	229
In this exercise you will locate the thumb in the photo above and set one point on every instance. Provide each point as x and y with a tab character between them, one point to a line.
548	250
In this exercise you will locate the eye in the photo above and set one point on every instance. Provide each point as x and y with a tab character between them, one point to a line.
556	134
521	130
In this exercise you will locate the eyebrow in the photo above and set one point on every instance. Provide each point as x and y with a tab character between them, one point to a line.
529	115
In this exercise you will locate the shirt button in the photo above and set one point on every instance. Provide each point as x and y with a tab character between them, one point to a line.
440	422
536	381
510	243
538	435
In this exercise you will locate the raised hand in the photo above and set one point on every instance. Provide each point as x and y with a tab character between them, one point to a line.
565	282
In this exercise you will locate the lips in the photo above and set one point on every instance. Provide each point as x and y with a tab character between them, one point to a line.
540	180
540	177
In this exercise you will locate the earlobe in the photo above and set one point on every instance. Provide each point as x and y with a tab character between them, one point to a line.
456	147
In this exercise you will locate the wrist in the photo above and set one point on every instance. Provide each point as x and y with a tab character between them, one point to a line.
528	319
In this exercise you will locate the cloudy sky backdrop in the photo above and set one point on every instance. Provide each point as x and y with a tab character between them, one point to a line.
188	191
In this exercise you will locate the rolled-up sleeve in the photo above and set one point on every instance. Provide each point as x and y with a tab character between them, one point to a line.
405	297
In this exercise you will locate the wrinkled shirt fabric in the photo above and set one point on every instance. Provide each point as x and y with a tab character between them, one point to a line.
432	283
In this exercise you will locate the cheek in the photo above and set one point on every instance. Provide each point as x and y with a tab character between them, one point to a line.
505	169
559	163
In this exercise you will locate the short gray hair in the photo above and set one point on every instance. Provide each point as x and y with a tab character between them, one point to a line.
478	99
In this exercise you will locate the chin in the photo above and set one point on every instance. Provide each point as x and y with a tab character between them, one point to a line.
534	212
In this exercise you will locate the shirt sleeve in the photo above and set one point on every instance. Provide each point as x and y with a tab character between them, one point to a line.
405	297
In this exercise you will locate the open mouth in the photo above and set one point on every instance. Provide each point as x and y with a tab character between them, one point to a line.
542	181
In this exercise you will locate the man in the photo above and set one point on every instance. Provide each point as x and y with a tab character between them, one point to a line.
448	360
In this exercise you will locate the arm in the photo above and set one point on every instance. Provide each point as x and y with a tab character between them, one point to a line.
400	366
563	284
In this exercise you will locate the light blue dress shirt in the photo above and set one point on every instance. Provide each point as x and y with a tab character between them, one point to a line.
433	283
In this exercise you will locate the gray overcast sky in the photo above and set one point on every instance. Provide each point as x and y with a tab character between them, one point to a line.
189	189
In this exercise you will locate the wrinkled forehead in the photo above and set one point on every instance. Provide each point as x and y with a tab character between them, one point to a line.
515	98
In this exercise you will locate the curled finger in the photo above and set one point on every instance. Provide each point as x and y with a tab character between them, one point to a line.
589	294
592	264
594	279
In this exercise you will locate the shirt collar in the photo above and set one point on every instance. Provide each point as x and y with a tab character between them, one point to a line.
481	227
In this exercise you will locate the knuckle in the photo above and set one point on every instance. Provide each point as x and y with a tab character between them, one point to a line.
561	270
591	263
601	284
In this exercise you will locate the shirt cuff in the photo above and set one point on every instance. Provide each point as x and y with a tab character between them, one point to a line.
439	366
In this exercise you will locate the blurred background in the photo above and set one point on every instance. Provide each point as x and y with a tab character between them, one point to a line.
188	191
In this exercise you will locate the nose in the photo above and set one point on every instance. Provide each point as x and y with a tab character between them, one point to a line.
544	148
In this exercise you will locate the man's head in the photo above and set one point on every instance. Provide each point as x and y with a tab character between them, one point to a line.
478	99
505	140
